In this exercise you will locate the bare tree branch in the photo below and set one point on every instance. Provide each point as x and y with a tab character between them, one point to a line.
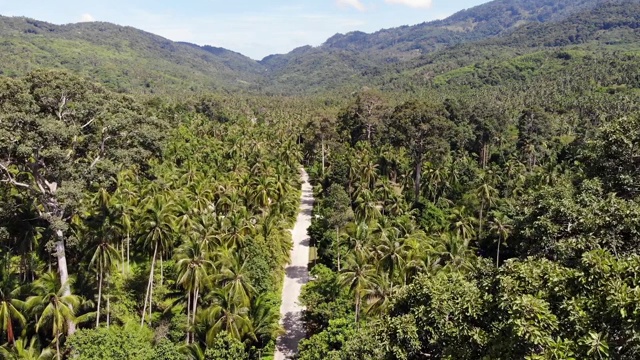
10	178
88	123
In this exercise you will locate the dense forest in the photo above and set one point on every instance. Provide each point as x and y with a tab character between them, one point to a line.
479	199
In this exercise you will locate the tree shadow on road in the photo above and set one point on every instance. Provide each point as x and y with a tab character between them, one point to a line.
288	343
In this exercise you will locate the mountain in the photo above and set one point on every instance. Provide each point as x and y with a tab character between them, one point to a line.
611	27
131	60
124	58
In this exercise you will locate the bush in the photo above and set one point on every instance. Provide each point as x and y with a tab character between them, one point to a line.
115	343
225	347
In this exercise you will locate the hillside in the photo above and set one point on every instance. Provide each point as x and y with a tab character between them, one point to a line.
358	55
129	60
611	27
475	191
123	58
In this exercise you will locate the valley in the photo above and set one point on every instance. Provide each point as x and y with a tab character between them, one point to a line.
466	188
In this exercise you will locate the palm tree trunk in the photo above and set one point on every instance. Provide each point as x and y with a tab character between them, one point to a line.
149	285
338	246
323	157
417	178
108	310
188	316
195	305
498	252
128	245
480	219
64	274
357	306
122	256
99	296
58	347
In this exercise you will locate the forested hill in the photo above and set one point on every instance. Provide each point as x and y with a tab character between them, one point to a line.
131	60
124	58
483	21
476	199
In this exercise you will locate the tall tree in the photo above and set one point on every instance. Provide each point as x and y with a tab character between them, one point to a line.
424	129
356	275
157	224
193	272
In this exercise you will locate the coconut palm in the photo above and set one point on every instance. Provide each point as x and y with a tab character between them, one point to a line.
454	251
124	203
462	223
264	320
104	258
487	195
24	349
55	309
10	309
356	275
193	271
391	251
235	280
225	314
358	237
501	226
262	191
366	207
157	222
377	295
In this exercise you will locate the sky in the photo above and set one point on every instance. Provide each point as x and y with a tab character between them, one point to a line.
255	28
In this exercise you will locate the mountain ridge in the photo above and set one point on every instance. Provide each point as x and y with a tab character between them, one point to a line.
132	60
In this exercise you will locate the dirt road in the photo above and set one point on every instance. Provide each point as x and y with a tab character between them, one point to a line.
296	276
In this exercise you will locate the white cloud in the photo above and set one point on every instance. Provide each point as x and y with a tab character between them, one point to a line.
412	3
87	18
351	3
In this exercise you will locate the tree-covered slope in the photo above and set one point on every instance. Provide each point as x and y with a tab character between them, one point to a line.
411	54
124	58
127	59
130	60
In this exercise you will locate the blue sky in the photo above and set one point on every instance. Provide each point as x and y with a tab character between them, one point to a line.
251	27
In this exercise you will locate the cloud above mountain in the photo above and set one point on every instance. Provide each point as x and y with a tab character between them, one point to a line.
87	18
412	3
356	4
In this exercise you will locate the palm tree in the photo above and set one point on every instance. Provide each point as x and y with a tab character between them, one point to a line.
368	174
462	223
10	310
237	229
124	201
25	350
358	237
264	320
501	226
55	309
193	272
377	295
157	222
103	260
454	251
234	279
226	315
487	195
366	207
192	351
356	275
262	192
391	251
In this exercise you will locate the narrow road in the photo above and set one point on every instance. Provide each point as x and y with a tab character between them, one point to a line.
296	276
